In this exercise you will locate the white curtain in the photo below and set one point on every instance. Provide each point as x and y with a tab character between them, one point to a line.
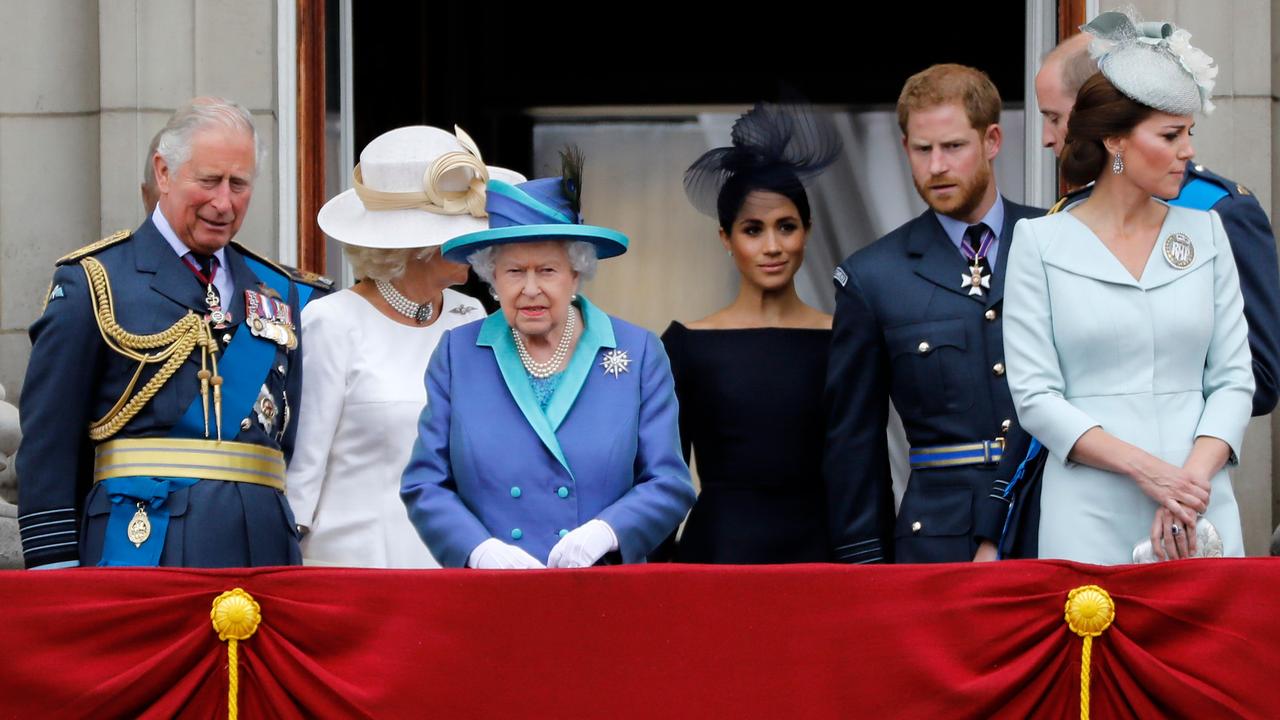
676	268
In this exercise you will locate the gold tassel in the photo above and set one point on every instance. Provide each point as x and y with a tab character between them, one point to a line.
236	616
1089	611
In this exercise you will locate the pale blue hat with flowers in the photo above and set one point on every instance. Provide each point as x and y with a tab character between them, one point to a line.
1152	63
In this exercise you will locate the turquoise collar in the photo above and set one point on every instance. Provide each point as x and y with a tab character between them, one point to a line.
597	333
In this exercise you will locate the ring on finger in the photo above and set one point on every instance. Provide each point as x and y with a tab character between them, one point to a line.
1175	529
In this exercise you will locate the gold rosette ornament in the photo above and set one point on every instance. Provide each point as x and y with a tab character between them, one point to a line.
1090	610
235	617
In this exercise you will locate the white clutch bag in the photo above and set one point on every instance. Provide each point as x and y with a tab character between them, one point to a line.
1208	544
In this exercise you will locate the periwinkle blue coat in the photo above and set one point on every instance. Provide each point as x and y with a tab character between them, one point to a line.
489	462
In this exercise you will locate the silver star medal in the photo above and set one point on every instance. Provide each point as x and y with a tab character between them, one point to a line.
615	362
266	410
975	280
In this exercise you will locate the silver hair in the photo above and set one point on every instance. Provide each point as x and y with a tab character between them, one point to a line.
174	141
582	258
384	264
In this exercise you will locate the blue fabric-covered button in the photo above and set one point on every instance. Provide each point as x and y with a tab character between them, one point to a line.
562	491
563	532
517	534
515	491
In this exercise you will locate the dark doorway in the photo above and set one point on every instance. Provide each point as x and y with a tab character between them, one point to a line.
482	66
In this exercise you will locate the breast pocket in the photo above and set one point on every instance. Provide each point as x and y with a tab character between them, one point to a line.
932	374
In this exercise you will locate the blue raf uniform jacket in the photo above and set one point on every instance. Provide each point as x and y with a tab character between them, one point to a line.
1254	246
74	378
489	462
905	330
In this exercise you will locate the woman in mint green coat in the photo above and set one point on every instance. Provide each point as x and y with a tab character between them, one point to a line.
1125	338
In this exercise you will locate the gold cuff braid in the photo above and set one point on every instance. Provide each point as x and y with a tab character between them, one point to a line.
172	348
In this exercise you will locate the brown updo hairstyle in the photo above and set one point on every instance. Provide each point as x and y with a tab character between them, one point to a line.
1101	111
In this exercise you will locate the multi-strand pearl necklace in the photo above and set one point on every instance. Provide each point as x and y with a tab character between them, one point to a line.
544	370
419	313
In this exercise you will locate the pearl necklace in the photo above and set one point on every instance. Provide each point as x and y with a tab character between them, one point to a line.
542	371
419	313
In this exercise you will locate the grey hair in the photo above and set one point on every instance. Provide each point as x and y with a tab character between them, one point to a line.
149	166
174	141
384	264
582	258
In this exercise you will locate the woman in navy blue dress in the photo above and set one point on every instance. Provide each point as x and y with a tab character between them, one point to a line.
750	376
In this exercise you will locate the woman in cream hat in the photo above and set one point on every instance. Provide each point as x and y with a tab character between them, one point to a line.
368	346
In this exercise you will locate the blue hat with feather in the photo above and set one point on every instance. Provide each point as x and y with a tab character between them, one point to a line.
538	210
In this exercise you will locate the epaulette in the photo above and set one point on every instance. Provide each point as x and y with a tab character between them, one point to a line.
1069	198
306	277
76	256
1232	187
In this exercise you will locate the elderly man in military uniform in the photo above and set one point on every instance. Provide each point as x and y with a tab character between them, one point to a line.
160	401
1064	70
917	322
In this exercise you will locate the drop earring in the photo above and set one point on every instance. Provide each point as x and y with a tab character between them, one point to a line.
1117	165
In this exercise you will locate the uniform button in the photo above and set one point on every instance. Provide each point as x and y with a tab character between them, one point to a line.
915	527
562	491
244	424
517	534
990	314
923	346
562	532
1004	426
515	491
226	339
998	369
280	369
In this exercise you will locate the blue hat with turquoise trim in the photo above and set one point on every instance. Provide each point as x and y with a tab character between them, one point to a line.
534	211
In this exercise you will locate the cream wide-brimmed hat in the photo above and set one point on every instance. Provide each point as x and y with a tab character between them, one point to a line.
415	186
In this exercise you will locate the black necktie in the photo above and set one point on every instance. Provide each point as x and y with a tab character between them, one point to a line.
973	236
208	265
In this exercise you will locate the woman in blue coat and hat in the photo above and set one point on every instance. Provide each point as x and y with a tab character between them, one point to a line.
551	435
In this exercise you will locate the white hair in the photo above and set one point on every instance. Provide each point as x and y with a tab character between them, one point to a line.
174	141
582	258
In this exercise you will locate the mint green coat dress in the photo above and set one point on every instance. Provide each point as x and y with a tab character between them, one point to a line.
1156	362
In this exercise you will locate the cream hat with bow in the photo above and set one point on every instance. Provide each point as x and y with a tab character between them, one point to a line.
415	186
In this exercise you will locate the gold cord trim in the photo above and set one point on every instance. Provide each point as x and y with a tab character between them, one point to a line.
172	348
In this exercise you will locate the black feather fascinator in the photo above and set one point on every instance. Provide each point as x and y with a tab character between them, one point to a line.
571	164
770	142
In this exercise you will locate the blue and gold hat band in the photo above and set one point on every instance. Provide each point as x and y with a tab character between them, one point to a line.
531	212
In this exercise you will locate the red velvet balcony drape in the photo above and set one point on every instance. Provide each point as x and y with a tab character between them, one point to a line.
1190	639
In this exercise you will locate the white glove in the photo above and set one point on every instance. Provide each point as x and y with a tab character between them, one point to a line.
493	554
583	546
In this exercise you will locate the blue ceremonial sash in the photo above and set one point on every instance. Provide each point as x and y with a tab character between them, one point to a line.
1199	194
125	494
1032	450
304	296
243	366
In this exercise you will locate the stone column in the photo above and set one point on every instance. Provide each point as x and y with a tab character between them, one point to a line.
48	158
